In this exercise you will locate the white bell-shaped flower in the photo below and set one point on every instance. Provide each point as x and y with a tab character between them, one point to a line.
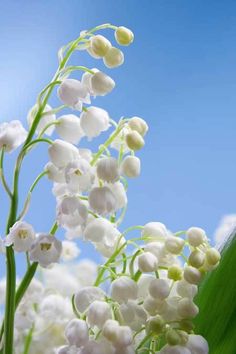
98	313
86	296
45	250
143	284
101	84
85	154
130	166
94	121
69	129
156	231
174	244
196	236
102	200
123	338
45	119
76	332
61	153
79	175
197	344
98	229
124	289
155	306
187	309
12	135
21	236
138	124
73	93
147	262
159	289
54	173
71	212
97	347
120	195
133	315
107	169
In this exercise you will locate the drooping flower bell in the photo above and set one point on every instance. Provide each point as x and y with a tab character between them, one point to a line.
21	236
45	250
69	129
73	93
94	121
102	200
61	153
71	212
12	135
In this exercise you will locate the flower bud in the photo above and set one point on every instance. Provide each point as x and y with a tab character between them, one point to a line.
130	166
175	273
94	121
155	325
187	309
61	153
196	259
155	230
173	337
186	325
123	289
174	244
69	129
113	58
196	236
99	45
147	262
102	200
212	256
139	125
107	169
134	140
76	332
124	36
192	275
98	313
101	84
159	288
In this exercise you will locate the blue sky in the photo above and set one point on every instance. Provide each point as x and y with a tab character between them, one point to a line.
179	75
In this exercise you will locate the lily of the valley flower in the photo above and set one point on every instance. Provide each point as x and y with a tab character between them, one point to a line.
61	153
71	212
73	93
21	236
45	250
69	129
94	121
12	135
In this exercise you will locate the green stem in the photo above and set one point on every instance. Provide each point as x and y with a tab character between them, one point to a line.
2	177
28	340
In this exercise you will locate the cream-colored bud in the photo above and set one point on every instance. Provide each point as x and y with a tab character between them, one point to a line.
113	58
175	273
192	275
124	36
139	125
130	166
99	45
173	337
196	259
212	256
196	236
155	325
147	262
134	140
174	244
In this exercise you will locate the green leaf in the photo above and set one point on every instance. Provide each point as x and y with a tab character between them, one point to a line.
217	303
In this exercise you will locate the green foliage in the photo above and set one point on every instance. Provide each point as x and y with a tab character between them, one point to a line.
217	303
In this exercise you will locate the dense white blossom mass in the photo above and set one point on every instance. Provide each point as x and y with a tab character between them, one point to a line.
141	300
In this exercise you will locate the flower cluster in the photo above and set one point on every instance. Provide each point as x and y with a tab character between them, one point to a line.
142	297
